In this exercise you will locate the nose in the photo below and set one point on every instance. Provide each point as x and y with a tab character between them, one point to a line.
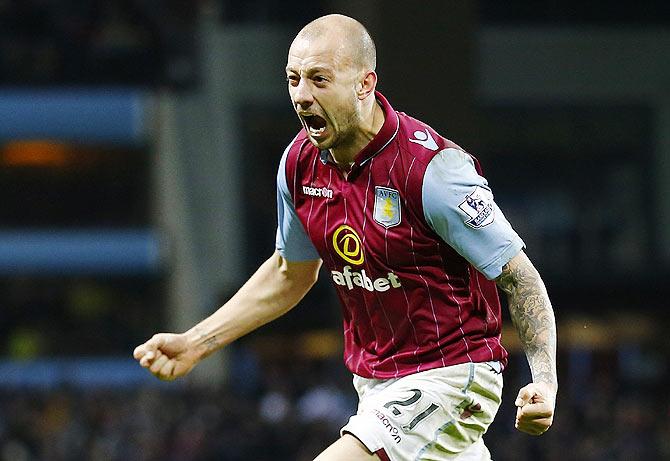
302	95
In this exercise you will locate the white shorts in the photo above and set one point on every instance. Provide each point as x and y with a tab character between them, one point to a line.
438	414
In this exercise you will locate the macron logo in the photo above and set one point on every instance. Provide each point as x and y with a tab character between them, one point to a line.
425	139
317	191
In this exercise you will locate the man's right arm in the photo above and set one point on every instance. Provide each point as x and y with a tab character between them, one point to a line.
276	287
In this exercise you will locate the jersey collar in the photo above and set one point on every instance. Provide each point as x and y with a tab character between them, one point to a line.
383	138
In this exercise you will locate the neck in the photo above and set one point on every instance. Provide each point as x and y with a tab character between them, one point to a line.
372	122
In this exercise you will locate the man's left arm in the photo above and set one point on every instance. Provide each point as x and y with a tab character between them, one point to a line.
533	318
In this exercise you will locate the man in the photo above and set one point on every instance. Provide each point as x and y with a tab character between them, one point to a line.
415	245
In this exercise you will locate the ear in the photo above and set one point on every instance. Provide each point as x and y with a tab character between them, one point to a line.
367	85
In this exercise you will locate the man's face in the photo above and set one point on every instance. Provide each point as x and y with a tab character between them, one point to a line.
322	86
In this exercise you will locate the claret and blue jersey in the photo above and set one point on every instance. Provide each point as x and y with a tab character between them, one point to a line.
411	239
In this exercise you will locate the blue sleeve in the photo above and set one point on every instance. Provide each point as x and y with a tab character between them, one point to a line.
292	241
458	204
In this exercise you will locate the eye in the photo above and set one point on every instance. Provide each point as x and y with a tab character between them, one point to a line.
292	79
319	79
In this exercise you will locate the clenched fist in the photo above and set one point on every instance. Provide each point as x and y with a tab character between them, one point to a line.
535	408
167	356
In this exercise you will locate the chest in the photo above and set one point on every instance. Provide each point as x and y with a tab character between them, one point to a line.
375	214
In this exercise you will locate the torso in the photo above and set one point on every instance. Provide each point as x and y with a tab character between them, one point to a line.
410	302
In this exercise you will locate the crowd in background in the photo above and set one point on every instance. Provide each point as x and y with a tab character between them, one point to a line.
291	409
76	316
613	403
72	42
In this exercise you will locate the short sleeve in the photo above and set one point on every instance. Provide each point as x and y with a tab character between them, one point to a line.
292	241
458	204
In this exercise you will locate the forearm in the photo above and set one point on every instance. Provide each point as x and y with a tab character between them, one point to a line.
532	316
273	290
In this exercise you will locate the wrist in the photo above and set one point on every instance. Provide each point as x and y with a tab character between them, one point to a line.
194	341
201	342
552	386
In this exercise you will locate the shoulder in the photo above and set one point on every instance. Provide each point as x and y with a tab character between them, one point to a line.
295	152
299	143
452	160
421	141
299	150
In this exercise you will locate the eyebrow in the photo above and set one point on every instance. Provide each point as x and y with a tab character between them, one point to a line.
312	70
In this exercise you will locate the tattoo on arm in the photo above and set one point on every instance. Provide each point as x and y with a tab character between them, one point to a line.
209	343
532	316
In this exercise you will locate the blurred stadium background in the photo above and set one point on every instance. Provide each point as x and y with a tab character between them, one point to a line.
139	141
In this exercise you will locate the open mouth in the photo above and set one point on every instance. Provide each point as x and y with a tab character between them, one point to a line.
316	125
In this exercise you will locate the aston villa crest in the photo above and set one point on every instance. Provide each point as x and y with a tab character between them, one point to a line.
387	206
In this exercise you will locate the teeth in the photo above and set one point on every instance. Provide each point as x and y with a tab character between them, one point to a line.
315	131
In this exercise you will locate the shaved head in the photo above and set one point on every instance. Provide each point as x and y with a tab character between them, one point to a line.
331	79
354	43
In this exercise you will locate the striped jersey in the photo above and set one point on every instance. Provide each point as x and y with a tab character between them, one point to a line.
411	239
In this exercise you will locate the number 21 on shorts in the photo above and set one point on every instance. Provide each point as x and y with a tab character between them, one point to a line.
399	409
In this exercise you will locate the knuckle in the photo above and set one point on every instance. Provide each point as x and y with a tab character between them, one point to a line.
155	337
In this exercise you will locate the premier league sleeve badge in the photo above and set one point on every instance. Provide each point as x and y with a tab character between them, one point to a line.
478	207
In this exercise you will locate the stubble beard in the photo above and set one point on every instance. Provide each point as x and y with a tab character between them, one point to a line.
346	136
